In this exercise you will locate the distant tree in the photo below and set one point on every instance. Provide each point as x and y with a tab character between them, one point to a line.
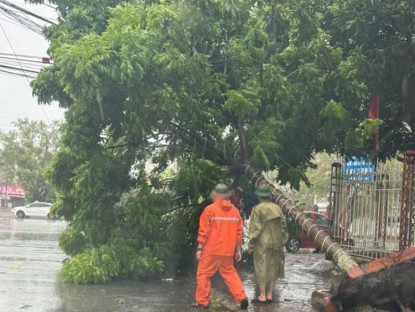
319	177
26	151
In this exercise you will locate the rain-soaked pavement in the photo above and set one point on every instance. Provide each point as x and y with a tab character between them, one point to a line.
30	259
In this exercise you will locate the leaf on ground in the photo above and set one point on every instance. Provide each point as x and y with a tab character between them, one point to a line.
119	300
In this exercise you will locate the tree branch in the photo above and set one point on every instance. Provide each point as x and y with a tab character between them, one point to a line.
242	139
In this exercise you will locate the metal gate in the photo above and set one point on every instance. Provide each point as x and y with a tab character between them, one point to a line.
367	207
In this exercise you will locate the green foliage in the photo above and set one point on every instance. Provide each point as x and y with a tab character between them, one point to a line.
192	186
101	265
378	34
207	85
242	103
215	304
26	152
119	300
319	177
367	127
196	179
72	242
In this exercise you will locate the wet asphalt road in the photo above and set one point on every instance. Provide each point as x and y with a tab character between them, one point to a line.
30	260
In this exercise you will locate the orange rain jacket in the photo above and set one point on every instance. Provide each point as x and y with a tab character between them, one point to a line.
220	228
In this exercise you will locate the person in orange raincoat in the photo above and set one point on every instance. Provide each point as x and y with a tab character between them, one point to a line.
220	240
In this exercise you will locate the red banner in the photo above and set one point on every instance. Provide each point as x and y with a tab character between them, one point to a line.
11	191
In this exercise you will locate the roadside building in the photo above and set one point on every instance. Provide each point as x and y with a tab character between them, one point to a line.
11	195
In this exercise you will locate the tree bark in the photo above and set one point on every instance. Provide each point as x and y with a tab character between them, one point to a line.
322	240
389	289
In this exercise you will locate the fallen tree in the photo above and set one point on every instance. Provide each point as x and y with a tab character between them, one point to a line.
390	289
387	283
322	240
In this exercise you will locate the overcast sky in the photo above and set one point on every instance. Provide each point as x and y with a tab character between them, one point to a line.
16	100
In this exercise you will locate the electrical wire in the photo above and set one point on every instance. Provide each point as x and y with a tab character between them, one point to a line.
14	6
23	63
20	16
17	68
6	72
50	6
20	55
31	62
24	21
6	19
34	70
14	52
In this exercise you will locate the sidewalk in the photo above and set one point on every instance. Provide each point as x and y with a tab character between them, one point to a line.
5	212
304	271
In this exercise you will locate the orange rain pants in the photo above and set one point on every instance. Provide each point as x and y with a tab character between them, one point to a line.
207	267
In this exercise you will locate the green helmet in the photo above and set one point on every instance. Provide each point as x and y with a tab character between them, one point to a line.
221	190
263	191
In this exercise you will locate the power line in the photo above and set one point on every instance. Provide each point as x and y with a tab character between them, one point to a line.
17	68
6	72
14	52
41	62
23	62
50	6
26	67
22	20
10	21
21	55
27	12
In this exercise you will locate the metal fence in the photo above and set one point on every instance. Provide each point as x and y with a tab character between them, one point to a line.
366	208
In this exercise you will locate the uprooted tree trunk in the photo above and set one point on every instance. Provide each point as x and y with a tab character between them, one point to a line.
391	286
322	240
390	289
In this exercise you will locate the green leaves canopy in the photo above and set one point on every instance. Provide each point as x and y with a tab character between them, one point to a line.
383	33
217	83
220	80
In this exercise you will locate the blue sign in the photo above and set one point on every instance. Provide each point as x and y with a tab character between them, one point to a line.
359	170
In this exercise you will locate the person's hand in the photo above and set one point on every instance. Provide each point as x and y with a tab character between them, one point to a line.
198	255
238	256
250	251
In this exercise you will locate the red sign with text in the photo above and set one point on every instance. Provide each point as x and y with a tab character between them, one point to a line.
11	191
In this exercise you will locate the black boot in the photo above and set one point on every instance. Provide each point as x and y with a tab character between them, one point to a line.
244	304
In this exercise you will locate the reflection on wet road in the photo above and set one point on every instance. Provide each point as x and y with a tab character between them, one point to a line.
143	296
30	260
304	273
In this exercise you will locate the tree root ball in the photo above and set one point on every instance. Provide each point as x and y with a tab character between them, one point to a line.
390	289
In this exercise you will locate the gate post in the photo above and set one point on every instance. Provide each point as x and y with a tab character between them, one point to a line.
335	188
406	228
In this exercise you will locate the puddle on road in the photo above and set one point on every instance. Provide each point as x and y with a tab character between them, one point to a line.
30	260
147	296
31	247
304	273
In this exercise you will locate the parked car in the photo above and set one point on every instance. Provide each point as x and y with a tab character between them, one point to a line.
298	239
36	209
